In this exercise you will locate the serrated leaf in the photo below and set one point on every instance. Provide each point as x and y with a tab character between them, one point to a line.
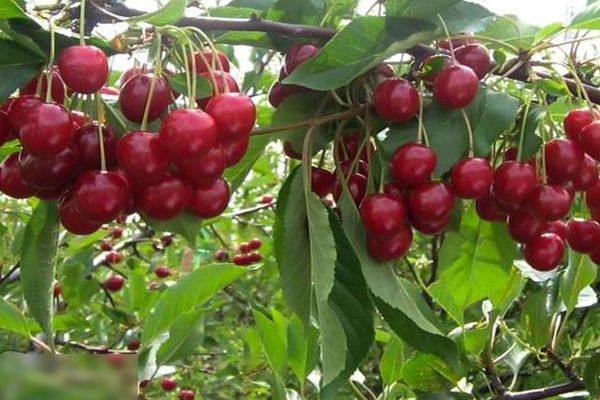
168	14
509	29
580	273
184	336
11	318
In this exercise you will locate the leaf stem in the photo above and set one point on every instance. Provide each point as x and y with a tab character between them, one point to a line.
523	125
144	124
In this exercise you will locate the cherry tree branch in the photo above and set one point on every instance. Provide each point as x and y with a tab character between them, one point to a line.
543	393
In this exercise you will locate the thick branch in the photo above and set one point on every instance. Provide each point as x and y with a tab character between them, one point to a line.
543	393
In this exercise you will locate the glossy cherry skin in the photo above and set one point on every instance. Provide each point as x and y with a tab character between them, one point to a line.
209	200
114	283
79	119
234	151
12	182
590	139
187	133
456	86
186	394
297	54
321	181
142	157
357	185
220	79
83	68
72	220
431	67
58	86
288	149
383	214
549	202
134	95
412	163
592	196
350	145
254	243
47	130
487	209
455	43
524	226
279	92
559	228
87	142
430	201
587	176
164	199
207	57
346	168
472	177
545	252
19	110
513	181
564	158
203	169
576	120
396	100
430	227
101	196
50	172
476	57
234	114
390	248
583	235
168	384
595	256
5	129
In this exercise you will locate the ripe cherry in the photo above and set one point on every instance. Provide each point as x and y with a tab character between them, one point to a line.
549	202
187	133
209	200
564	158
49	172
545	252
455	43
83	68
186	394
266	199
476	57
221	255
6	133
431	67
390	248
142	157
322	181
297	54
58	86
47	130
134	95
79	119
583	235
133	344
576	120
350	146
587	176
590	139
101	196
430	201
112	257
87	142
244	248
254	243
279	92
164	199
357	186
472	177
203	169
105	245
162	271
429	226
524	226
19	110
513	181
396	100
207	57
456	86
168	384
254	257
221	79
383	214
288	149
72	220
592	196
56	289
12	182
114	283
412	163
559	228
234	114
234	151
595	256
241	259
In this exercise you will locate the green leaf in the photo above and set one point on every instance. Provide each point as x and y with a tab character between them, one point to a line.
273	333
38	261
580	273
428	373
509	29
303	349
589	18
417	8
11	318
538	310
10	9
548	30
13	77
168	14
531	141
203	85
591	374
390	367
115	118
188	293
185	335
463	17
185	224
236	174
262	5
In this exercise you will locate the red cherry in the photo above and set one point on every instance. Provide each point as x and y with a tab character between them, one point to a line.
587	176
476	57
58	86
164	199
203	169
564	158
51	194
559	228
234	114
524	226
545	252
382	214
288	149
254	257
235	151
487	209
87	142
391	188
105	245
5	129
348	149
47	129
244	248
19	110
583	235
133	344
455	42
134	95
220	79
79	119
187	133
207	57
83	68
49	172
112	257
186	394
430	201
209	200
576	120
117	233
511	154
513	181
240	259
297	54
168	384
590	139
549	202
347	168
72	220
592	196
396	100
131	72
322	181
390	248
595	256
279	92
162	271
432	65
472	178
254	243
412	163
114	283
141	157
357	185
266	199
383	71
221	255
56	289
100	196
456	86
12	182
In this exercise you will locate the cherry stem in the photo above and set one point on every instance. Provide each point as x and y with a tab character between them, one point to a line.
50	61
420	121
469	131
82	23
193	76
307	149
211	74
152	83
188	81
523	125
100	116
573	70
216	59
543	166
447	33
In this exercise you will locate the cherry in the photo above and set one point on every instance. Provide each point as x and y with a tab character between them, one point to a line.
430	227
56	289
162	271
564	158
549	202
476	57
279	92
72	220
346	168
288	149
595	256
164	199
5	107
412	164
524	226
322	181
545	252
382	214
391	188
505	207
100	196
234	114
186	394
5	129
357	186
432	65
583	235
19	110
348	149
79	119
51	194
244	248
241	259
141	156
390	248
254	243
455	43
207	57
559	228
203	169
254	257
234	151
430	201
133	344
12	182
114	283
590	139
116	233
576	120
47	129
87	142
186	133
456	86
221	79
105	245
83	68
134	95
396	100
587	176
266	199
209	200
472	177
221	255
592	196
297	54
383	71
112	257
58	86
513	181
168	384
49	172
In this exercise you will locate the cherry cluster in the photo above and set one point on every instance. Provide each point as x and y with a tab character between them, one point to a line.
169	384
247	253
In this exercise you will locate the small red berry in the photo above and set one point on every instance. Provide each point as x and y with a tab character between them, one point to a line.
456	86
545	252
472	178
133	344
583	235
83	68
168	384
412	163
576	120
162	271
390	248
114	283
255	243
396	100
209	200
383	214
221	255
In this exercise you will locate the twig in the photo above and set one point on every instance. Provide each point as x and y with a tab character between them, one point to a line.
10	272
543	393
566	369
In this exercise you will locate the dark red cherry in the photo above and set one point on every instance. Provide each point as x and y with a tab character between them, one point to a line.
513	181
396	100
254	257
390	248
456	86
430	201
141	157
592	196
100	196
79	119
234	114
455	42
164	199
254	243
83	68
11	179
391	188
432	65
288	149
87	142
347	168
545	252
234	151
206	61
209	200
187	133
559	228
50	172
322	181
487	209
524	226
51	194
590	139
472	177
72	220
430	226
383	71
587	176
279	92
357	185
134	95
549	202
186	394
350	146
5	107
476	57
576	120
58	86
168	384
47	130
563	159
221	79
114	283
383	214
131	72
6	133
19	110
595	256
297	54
412	163
203	169
583	235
